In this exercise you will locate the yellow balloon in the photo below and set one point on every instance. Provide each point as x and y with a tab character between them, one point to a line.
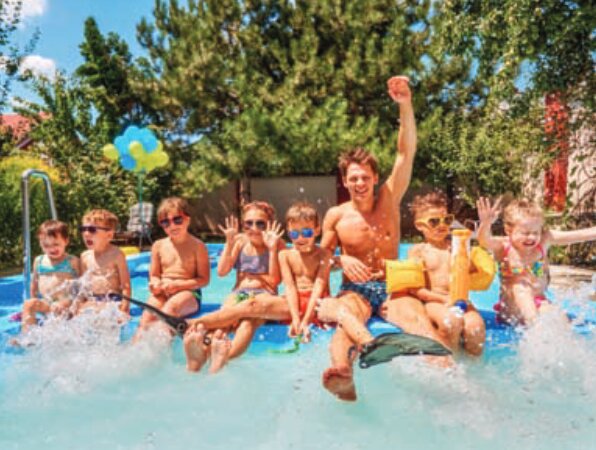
161	159
111	152
136	150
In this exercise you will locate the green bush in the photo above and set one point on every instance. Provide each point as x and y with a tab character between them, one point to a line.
11	240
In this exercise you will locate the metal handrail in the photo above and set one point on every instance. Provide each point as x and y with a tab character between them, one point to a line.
25	176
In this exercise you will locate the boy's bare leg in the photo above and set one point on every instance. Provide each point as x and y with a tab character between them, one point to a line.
409	314
243	336
220	351
181	304
474	333
147	318
196	351
448	323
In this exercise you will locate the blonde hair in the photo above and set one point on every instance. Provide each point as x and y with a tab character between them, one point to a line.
523	208
262	206
172	205
435	199
302	211
102	217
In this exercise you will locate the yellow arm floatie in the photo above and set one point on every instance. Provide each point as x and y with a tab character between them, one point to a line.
485	269
403	275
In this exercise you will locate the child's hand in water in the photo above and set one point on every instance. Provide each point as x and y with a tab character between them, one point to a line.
230	230
486	212
399	90
272	234
304	330
294	329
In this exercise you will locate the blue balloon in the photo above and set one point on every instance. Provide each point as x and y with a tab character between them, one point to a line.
148	140
132	133
128	162
121	144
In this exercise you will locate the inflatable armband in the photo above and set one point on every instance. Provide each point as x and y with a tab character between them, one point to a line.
485	267
402	275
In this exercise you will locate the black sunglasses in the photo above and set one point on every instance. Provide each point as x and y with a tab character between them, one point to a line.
92	228
260	224
177	220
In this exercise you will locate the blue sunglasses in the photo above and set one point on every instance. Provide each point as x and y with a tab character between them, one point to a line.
305	232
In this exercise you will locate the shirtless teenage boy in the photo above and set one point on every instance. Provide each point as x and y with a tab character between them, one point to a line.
367	230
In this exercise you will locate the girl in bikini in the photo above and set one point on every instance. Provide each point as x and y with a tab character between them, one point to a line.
522	254
254	255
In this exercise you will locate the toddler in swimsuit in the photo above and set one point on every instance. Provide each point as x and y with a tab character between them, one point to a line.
50	272
522	254
179	266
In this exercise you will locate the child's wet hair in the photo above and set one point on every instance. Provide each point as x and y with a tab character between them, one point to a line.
434	199
102	217
302	211
524	208
172	205
53	229
262	206
358	155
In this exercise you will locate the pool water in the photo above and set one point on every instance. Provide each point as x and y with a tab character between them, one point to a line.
85	388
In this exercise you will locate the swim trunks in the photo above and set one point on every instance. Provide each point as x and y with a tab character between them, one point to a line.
375	292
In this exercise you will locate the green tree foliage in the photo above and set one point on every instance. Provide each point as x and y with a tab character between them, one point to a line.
279	87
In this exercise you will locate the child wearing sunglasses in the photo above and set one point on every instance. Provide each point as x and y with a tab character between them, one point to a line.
523	256
51	270
179	265
432	219
103	265
254	254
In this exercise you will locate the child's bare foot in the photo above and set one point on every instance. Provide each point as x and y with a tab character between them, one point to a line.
340	382
220	351
195	349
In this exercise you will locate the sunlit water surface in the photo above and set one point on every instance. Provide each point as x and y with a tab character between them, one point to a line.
81	387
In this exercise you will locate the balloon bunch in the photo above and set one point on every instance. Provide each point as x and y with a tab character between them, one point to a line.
138	150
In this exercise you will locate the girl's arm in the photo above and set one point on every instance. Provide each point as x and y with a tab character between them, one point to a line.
234	243
34	287
124	276
556	237
271	238
488	215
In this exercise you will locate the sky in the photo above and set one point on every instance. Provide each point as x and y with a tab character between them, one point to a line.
60	23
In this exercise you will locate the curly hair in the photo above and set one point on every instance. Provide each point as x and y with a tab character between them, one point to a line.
434	199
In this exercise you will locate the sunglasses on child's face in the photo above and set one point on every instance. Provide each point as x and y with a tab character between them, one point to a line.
176	220
92	228
259	224
305	232
434	222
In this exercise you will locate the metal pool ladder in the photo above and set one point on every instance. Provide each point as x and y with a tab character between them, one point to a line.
25	176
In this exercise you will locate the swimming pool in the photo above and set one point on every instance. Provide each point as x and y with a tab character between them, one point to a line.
84	389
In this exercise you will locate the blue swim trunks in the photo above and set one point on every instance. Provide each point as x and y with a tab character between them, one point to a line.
375	292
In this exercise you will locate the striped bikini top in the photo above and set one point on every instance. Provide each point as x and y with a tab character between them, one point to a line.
536	269
252	263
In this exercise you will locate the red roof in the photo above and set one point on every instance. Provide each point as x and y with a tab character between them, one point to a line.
19	125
